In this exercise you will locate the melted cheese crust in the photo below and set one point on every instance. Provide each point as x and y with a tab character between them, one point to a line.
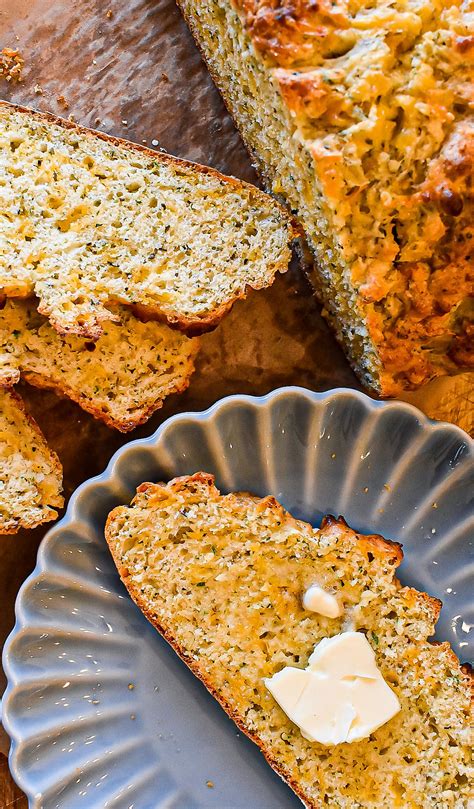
381	94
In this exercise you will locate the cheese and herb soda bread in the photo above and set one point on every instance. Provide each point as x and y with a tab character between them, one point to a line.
360	115
222	578
122	378
88	219
30	472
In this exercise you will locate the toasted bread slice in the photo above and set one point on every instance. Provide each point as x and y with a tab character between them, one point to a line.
89	219
30	472
222	579
122	378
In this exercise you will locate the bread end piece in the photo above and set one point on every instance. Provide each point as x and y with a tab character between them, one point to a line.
30	472
392	261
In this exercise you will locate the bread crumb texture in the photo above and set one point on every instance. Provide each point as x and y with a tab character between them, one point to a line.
30	473
121	378
88	220
222	578
360	114
11	64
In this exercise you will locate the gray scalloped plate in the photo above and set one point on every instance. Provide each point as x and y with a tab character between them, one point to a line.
101	712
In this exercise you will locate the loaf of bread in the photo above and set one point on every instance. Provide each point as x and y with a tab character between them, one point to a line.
360	115
30	473
88	219
223	577
121	378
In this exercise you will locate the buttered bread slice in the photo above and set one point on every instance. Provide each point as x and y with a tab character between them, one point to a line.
236	586
121	378
30	472
88	219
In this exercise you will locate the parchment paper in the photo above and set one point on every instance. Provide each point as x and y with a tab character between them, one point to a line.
130	67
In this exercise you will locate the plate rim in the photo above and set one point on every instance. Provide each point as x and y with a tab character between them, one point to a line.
106	476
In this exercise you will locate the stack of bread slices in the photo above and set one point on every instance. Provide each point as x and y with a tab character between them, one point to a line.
113	259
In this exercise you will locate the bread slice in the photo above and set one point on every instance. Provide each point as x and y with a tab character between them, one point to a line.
30	472
88	219
360	116
122	378
222	579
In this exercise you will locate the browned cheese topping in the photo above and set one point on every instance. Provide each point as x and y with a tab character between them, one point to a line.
381	95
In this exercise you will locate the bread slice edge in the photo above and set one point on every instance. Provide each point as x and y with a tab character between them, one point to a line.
49	509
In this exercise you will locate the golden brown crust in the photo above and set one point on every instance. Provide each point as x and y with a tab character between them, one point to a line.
435	291
306	258
380	548
288	31
373	543
424	329
56	501
192	326
292	33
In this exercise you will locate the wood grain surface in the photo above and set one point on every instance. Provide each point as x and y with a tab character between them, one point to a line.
129	67
10	796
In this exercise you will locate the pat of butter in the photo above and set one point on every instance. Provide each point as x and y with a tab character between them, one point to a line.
341	696
318	600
